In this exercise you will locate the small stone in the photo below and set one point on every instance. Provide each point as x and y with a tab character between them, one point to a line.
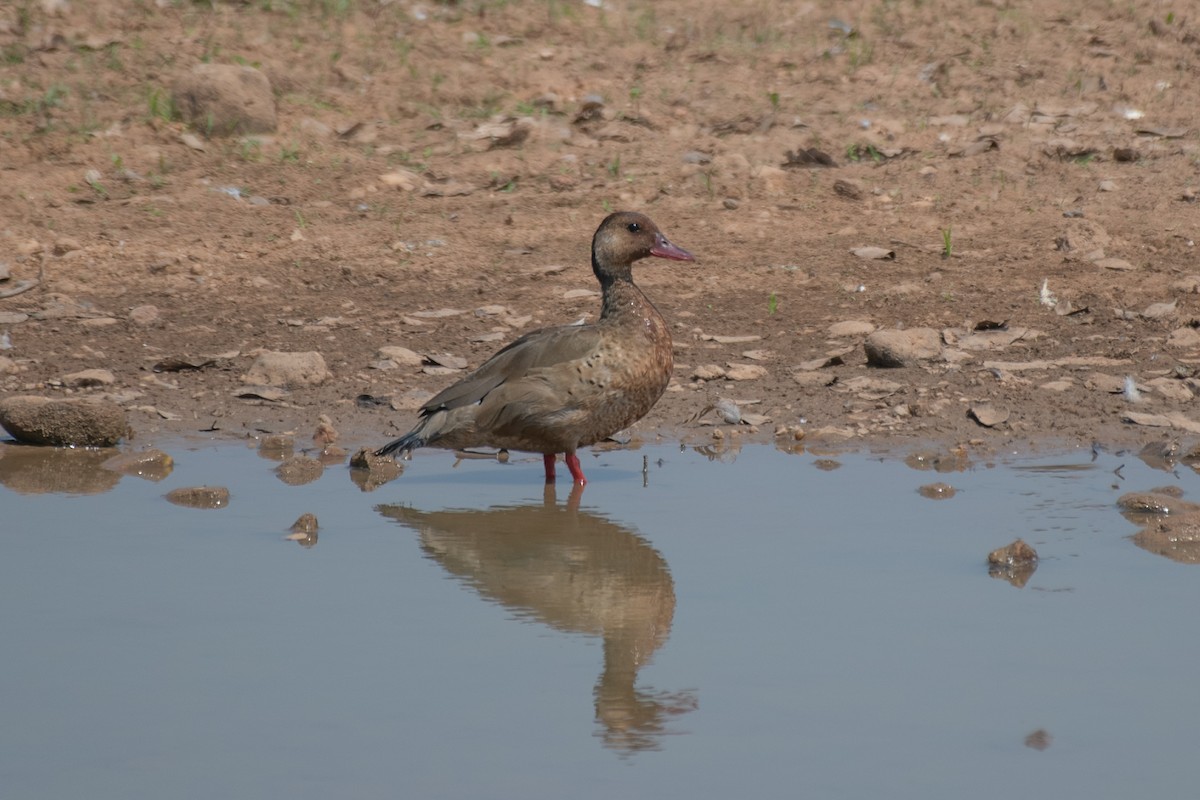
144	316
305	523
987	415
89	377
325	434
400	355
1013	554
200	497
273	368
66	244
369	471
1107	186
892	348
850	327
937	491
299	470
708	372
225	99
745	372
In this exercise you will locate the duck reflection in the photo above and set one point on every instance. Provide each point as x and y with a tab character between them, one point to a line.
577	572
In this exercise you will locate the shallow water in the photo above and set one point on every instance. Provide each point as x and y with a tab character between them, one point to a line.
751	624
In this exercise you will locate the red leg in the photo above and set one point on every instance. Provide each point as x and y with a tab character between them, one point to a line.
576	470
548	460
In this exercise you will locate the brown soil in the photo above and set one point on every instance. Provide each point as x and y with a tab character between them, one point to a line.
1011	125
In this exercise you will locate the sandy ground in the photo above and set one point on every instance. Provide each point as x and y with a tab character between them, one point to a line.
437	170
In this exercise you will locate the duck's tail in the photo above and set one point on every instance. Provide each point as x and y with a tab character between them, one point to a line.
405	444
428	430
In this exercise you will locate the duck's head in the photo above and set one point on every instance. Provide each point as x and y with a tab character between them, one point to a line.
624	237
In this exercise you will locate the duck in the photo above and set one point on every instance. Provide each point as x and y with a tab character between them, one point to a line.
558	389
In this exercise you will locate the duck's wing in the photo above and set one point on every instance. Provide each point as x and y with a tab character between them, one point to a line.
536	350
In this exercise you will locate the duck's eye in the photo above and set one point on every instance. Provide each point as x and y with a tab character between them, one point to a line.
634	227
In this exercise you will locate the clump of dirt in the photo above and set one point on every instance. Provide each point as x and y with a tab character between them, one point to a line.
1018	181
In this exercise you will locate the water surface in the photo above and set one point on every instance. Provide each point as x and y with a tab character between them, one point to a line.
752	624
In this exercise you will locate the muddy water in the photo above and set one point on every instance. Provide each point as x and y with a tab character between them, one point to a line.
738	624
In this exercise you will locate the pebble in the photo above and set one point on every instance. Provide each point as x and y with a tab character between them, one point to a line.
199	497
145	315
299	470
225	99
745	372
937	491
89	377
851	327
274	368
708	372
893	348
369	471
1019	552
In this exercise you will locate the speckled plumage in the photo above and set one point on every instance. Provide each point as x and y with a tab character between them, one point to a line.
555	390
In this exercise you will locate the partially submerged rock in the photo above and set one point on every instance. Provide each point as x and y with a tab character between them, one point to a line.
1176	537
304	530
200	496
299	470
369	471
69	422
1014	563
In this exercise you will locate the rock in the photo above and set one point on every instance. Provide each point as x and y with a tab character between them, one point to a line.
1186	337
299	470
325	434
199	497
745	372
1174	537
1019	552
773	179
937	491
66	244
403	179
987	415
74	422
144	316
708	372
89	377
851	327
892	348
304	530
274	368
225	100
811	379
305	523
153	465
1154	503
369	471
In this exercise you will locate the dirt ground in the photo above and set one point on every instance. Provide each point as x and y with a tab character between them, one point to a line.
437	170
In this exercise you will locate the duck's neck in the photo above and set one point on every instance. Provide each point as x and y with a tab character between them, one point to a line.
622	301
